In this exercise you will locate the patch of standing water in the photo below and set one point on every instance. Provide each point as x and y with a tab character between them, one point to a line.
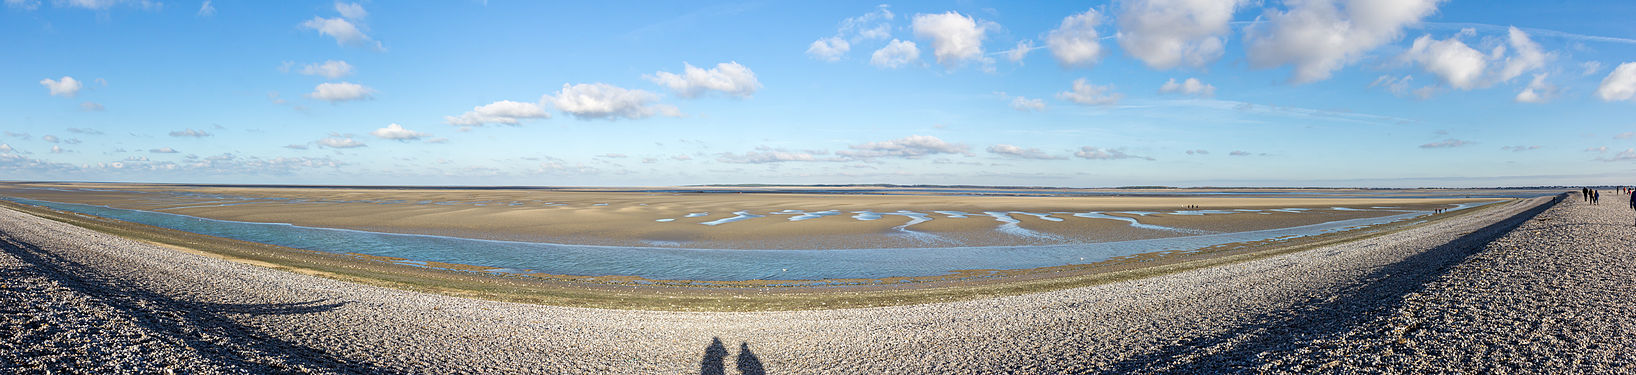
697	214
800	215
1009	225
1200	212
665	220
954	214
865	215
1137	224
741	215
917	218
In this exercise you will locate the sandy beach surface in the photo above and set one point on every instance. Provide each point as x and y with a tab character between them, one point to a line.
840	218
1530	286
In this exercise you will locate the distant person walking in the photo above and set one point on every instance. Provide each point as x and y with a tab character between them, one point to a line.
1632	197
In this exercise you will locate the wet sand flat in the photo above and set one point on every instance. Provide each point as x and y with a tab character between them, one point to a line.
710	217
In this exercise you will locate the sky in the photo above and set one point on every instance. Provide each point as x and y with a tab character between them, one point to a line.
1388	93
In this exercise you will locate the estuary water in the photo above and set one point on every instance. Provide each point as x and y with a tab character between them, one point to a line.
669	263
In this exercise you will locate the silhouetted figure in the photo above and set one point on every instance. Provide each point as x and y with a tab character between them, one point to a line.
1633	201
713	355
748	364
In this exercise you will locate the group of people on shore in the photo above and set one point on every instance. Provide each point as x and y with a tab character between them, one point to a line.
1590	195
1593	197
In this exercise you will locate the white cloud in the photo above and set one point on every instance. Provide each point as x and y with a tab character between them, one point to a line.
340	142
1456	63
1447	143
874	25
1320	37
56	149
895	54
6	148
1075	43
1016	55
296	146
1238	153
1528	55
1027	105
870	26
163	150
1619	84
352	11
1098	153
1198	152
340	92
911	147
66	87
1537	91
23	4
1168	33
1022	153
345	32
501	112
1625	135
50	138
398	133
1089	94
331	69
189	133
85	131
829	49
1627	154
955	38
1191	86
764	155
206	10
1403	87
91	107
729	78
1519	148
1591	67
589	101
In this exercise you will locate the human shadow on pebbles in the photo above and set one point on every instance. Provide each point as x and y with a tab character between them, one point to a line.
1280	334
202	327
715	358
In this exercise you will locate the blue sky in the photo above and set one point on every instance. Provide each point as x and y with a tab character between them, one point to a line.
1400	93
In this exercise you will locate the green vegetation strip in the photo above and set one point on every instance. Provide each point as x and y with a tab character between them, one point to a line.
575	293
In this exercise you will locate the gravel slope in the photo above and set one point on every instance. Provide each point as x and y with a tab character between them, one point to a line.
72	299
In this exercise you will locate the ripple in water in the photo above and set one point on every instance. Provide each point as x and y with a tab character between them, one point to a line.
741	215
1137	224
1008	225
803	215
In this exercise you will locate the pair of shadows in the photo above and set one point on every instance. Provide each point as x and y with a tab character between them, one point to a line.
715	356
